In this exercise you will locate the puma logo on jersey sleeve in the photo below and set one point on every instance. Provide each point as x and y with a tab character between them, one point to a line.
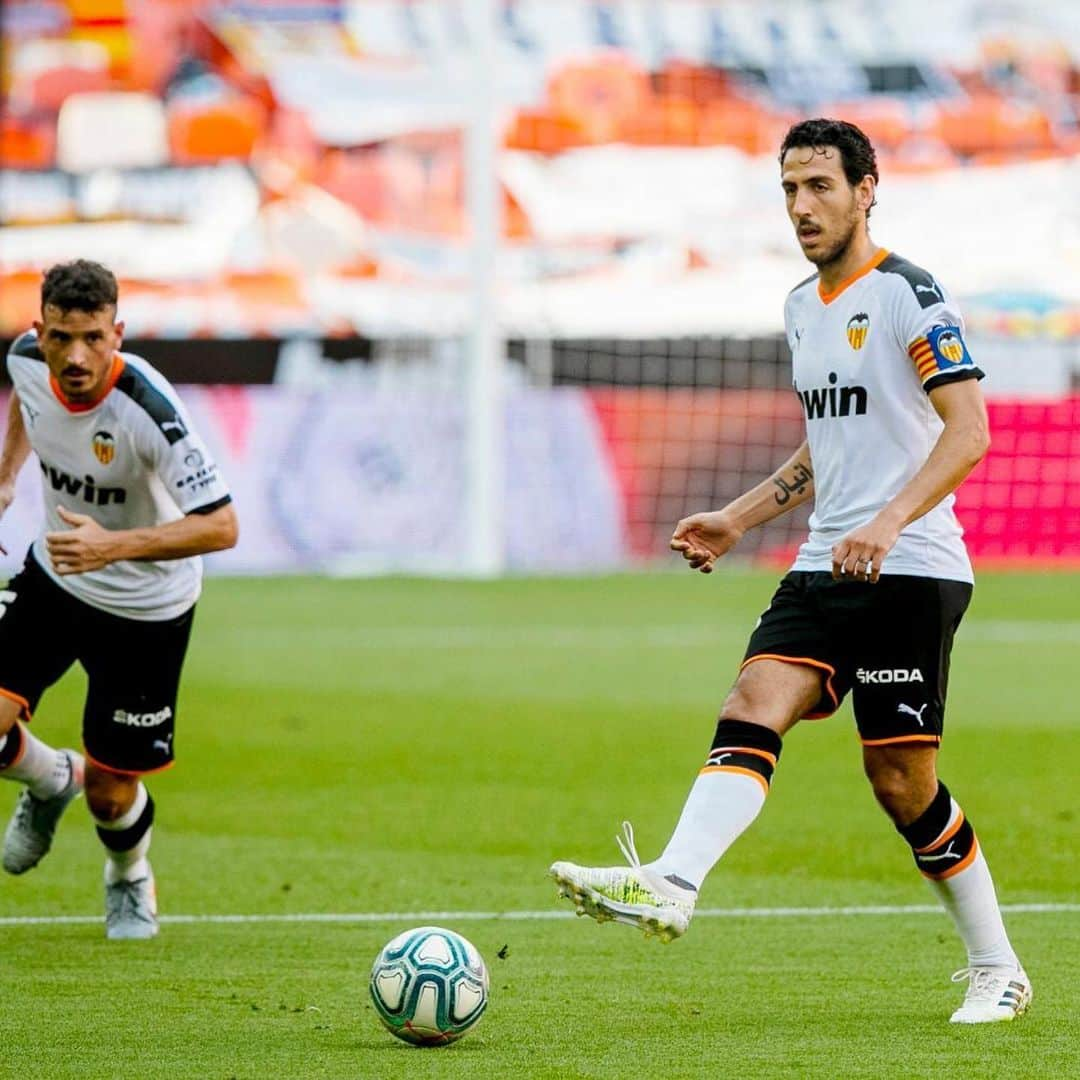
924	287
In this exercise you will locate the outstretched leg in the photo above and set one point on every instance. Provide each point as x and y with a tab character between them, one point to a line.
52	779
728	794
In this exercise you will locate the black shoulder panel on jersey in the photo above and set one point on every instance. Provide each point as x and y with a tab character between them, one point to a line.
157	406
805	281
26	345
926	289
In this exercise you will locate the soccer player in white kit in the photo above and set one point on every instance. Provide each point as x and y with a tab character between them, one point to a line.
132	498
895	421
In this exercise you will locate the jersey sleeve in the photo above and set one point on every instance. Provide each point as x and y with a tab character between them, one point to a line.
190	473
791	329
931	329
182	461
21	358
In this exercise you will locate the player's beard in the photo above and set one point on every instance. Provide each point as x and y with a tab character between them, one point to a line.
837	251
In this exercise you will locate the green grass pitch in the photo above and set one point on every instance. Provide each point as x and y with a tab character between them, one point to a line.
412	746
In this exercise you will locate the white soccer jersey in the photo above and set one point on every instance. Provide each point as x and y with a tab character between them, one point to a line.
129	461
864	359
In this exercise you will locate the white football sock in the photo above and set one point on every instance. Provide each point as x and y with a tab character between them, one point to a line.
720	807
132	864
42	769
970	899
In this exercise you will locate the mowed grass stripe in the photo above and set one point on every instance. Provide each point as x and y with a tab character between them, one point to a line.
497	636
420	917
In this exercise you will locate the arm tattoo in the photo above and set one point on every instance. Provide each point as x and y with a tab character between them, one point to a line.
801	475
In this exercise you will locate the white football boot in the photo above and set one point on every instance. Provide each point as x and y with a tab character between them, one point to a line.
131	909
30	832
632	894
994	994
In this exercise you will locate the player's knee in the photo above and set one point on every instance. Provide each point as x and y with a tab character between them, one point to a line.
892	788
746	704
108	795
103	807
739	705
903	782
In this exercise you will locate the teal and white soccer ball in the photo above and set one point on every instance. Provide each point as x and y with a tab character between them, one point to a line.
429	986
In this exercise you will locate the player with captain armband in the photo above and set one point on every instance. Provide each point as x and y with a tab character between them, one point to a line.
895	421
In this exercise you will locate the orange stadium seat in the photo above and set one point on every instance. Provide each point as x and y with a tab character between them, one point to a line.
666	122
20	299
986	124
201	133
544	131
1027	130
26	144
738	123
885	122
692	82
265	288
600	95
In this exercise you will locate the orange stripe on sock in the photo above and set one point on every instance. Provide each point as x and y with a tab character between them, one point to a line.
736	769
963	864
948	834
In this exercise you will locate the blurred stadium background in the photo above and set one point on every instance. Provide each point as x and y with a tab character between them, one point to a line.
505	277
487	287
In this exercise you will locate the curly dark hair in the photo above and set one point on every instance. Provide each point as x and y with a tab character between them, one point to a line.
856	151
81	285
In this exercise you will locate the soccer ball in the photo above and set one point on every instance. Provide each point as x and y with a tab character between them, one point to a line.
429	986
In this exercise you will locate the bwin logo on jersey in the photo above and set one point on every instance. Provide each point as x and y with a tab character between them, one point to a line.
822	401
858	328
889	675
104	447
87	487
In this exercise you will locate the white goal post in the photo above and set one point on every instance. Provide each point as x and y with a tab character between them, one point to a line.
485	349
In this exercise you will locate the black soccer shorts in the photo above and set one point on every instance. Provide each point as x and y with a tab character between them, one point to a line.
133	668
888	643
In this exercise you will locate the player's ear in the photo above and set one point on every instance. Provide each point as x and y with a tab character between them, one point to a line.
865	193
118	329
